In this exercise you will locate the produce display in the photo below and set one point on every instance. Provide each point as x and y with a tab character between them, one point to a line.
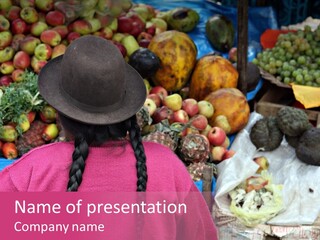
153	42
295	58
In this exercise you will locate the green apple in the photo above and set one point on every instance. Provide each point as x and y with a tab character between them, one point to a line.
95	24
130	43
44	5
5	4
5	39
4	23
38	27
205	108
43	51
29	43
6	54
6	67
29	14
173	101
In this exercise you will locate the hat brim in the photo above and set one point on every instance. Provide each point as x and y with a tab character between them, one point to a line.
48	82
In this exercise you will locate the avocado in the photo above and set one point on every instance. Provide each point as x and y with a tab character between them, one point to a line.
220	32
182	19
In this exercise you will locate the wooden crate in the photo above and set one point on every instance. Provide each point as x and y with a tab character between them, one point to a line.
275	98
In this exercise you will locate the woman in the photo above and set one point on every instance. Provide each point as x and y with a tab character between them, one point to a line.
97	95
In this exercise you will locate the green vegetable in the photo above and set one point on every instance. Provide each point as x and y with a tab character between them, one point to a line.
20	97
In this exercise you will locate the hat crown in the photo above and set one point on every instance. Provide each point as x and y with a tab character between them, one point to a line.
93	74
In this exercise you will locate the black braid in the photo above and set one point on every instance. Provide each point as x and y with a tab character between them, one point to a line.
136	142
79	156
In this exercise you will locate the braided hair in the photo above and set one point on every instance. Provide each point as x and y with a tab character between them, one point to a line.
86	135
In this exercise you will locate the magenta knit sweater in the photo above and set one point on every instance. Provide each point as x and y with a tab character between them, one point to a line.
110	168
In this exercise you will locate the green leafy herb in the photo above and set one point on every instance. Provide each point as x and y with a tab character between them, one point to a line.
20	97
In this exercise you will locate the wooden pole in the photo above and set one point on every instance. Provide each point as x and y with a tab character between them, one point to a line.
242	44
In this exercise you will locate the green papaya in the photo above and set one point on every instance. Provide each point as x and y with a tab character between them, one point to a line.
220	32
182	19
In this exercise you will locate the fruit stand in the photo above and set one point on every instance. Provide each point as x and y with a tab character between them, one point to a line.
224	92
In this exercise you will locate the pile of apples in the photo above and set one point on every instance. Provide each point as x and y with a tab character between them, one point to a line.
193	115
34	31
45	131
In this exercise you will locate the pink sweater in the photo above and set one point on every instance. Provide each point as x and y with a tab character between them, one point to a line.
110	168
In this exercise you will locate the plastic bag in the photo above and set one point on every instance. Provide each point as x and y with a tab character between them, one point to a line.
254	215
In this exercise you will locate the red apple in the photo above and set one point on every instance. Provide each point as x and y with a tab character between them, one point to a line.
190	105
17	75
159	90
180	116
38	27
228	154
150	105
17	38
58	50
29	43
216	136
55	18
31	116
13	13
72	36
81	26
199	121
156	98
6	67
29	14
232	55
50	37
5	80
62	30
161	113
206	108
144	43
121	48
106	33
37	64
131	23
21	60
18	26
173	101
217	153
43	51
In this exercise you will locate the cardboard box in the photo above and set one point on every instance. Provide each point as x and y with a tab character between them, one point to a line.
276	97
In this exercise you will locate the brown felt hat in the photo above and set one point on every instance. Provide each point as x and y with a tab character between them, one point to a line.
92	83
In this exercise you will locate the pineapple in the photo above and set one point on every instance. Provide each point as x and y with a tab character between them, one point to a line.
194	148
143	117
162	138
32	138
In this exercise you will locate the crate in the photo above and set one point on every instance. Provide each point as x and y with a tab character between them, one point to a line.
275	98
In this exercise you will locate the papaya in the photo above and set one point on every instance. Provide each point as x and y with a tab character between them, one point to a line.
220	32
232	103
211	73
178	55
